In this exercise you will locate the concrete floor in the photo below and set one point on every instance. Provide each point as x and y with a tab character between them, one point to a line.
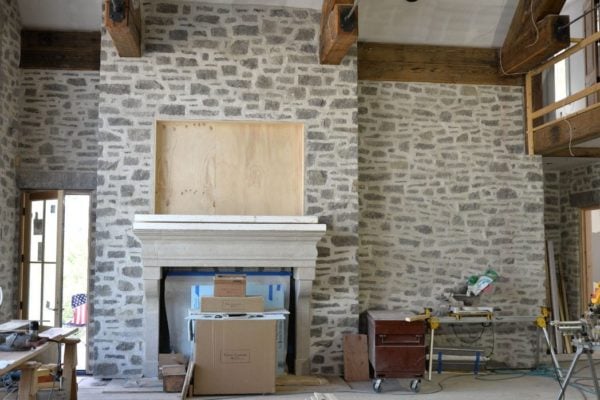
486	386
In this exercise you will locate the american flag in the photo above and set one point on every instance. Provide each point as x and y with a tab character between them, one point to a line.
79	304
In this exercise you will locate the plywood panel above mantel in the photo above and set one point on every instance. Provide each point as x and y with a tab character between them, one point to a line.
229	168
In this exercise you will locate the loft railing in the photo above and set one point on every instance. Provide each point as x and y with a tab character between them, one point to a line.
532	115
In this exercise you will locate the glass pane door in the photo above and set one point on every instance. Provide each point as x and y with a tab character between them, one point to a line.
42	262
55	255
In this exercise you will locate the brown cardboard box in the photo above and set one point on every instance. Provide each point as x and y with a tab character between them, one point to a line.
233	304
230	286
234	356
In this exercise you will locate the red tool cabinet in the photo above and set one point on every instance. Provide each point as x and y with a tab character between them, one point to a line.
396	347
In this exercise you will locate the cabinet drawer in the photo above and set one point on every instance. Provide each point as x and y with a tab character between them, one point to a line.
390	361
397	327
385	339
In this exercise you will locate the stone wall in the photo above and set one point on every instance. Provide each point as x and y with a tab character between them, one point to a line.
579	181
59	121
9	106
552	207
225	63
446	191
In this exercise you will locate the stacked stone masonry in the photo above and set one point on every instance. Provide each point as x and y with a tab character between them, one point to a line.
446	192
572	182
212	62
10	28
445	188
59	120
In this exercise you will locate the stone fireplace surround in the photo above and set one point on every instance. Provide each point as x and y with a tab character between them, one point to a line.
208	241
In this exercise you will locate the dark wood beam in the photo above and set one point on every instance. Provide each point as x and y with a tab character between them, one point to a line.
124	27
437	64
536	34
60	50
589	152
338	33
576	128
522	17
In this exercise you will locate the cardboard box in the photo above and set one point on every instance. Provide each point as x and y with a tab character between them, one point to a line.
234	356
232	304
230	286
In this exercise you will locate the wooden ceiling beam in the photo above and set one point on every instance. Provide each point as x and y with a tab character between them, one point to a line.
436	64
338	34
124	26
536	34
586	152
522	18
575	129
60	50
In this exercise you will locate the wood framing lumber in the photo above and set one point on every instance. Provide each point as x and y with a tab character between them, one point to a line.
338	34
60	50
575	128
535	46
554	294
436	64
589	152
125	33
356	358
523	16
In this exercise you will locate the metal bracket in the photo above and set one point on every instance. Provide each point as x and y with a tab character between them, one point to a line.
116	10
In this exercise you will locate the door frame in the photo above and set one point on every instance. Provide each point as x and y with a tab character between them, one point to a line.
585	257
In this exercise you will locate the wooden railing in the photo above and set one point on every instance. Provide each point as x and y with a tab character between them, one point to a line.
532	115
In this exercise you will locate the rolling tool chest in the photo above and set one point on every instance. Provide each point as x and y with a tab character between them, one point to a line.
396	347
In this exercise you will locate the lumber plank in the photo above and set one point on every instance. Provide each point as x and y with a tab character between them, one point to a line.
356	358
567	100
529	113
532	37
187	380
574	128
534	47
522	17
554	294
589	152
435	64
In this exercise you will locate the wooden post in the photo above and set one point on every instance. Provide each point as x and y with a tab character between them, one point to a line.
28	383
70	368
529	112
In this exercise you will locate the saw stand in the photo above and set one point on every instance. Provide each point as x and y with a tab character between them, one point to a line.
584	345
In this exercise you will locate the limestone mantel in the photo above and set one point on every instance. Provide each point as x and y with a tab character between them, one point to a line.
228	241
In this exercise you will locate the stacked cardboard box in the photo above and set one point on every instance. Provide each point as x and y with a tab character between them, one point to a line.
234	349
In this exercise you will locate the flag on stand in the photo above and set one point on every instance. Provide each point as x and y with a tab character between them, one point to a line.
79	304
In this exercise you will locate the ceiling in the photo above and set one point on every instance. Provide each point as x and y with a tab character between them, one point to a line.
471	23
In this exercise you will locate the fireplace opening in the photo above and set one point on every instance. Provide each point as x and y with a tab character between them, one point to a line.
181	291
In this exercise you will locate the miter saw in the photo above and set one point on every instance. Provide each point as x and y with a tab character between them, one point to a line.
21	340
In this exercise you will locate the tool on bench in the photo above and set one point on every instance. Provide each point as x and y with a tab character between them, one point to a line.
22	340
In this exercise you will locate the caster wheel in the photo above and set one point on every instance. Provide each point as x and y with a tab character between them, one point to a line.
377	385
415	385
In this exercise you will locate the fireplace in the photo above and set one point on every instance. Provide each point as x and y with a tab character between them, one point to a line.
228	241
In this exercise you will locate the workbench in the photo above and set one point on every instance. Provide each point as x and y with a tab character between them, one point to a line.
490	318
22	360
